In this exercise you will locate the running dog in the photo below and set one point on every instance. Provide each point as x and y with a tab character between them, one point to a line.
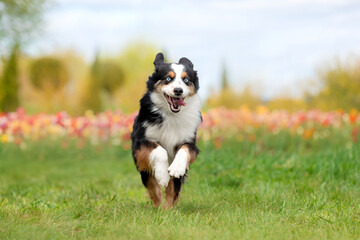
164	131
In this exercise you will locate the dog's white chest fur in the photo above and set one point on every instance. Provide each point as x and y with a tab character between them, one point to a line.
177	128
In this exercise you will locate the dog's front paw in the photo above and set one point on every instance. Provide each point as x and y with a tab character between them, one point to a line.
178	167
159	163
162	177
177	170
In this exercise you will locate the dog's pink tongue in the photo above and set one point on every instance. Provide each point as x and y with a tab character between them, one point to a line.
179	101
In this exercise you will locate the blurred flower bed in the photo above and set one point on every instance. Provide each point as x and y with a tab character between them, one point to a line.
220	124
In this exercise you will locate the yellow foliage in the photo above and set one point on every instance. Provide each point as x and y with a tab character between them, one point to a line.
40	100
339	86
137	64
286	103
228	98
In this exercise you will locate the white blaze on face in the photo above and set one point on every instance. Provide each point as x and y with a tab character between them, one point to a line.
177	82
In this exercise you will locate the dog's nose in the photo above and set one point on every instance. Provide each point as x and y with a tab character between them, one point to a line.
178	91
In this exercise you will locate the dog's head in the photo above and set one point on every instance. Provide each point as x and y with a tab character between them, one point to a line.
173	83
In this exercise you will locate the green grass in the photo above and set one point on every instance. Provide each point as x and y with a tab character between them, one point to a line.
282	187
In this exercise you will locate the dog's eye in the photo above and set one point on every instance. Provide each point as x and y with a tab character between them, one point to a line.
168	79
186	80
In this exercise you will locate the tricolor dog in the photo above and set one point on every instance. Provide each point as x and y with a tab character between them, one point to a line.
164	131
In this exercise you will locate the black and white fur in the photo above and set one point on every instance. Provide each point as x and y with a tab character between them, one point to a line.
164	132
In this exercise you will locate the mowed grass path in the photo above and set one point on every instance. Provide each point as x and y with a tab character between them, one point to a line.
279	189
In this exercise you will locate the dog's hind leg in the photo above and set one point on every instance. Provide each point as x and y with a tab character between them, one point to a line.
153	188
173	191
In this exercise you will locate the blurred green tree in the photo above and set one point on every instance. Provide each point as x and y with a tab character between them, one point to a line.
19	22
224	79
9	85
106	77
48	75
110	76
339	87
48	72
91	95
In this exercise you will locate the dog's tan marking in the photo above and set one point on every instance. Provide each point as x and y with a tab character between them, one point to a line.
154	191
142	157
170	195
192	90
159	85
184	75
171	74
191	155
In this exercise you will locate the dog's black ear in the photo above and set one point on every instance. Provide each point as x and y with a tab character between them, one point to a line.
186	62
159	59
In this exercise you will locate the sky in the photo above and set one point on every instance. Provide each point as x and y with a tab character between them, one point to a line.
276	46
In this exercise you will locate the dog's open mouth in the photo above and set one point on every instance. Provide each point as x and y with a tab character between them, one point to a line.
175	103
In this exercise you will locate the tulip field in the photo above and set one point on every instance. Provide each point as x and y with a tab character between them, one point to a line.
114	128
260	174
